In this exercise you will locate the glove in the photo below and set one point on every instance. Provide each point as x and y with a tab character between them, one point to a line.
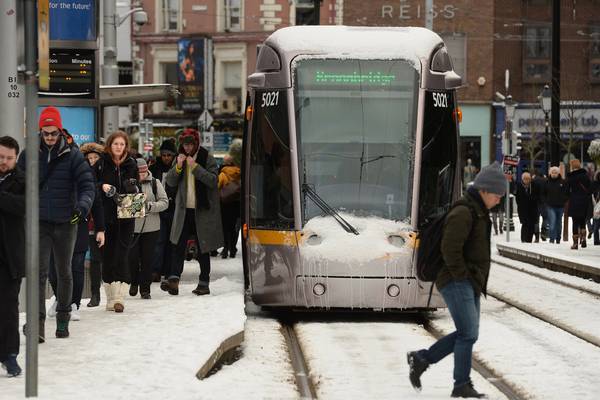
76	217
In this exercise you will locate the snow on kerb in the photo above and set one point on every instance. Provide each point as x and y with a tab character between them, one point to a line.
335	41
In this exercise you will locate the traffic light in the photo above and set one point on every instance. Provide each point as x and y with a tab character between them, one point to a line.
515	143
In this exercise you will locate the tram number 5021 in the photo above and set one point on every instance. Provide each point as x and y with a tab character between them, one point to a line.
270	99
440	99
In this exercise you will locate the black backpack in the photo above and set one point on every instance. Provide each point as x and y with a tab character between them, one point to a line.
429	253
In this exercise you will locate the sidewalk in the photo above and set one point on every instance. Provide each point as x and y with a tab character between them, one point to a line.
153	350
544	254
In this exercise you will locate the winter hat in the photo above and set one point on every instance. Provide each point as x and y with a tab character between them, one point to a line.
50	116
235	151
189	135
491	179
142	165
168	146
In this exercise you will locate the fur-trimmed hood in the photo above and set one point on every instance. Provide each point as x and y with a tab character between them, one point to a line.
92	147
187	133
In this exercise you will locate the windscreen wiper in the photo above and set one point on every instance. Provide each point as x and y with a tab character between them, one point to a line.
322	204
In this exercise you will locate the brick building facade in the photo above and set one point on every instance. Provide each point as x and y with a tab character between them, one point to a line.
484	37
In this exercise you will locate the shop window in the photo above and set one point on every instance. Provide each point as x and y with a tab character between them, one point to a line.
456	43
170	10
232	86
537	51
233	17
595	54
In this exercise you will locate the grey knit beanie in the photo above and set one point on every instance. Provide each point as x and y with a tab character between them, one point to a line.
491	179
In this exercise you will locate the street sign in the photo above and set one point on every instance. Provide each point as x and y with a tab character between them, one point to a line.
207	139
511	160
204	120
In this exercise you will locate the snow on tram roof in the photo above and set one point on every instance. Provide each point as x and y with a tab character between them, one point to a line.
407	43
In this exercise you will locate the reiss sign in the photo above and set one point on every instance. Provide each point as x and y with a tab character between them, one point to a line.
405	11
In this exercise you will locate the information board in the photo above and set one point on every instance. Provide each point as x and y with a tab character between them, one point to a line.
80	122
71	73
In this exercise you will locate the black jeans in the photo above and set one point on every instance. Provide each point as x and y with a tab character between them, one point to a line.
162	251
57	240
178	256
141	258
95	265
230	213
527	230
9	313
77	270
117	245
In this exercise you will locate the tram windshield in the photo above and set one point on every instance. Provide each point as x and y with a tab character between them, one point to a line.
355	120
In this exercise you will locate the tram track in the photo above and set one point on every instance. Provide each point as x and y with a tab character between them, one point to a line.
305	386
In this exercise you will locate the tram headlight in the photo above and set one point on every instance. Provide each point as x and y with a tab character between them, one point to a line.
397	240
393	290
319	289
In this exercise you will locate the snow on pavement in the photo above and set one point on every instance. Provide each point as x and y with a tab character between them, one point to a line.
368	361
578	310
542	361
154	349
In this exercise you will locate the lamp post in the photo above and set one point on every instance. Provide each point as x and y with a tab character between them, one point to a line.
545	99
509	114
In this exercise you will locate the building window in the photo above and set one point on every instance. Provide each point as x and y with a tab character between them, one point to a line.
537	50
456	43
169	75
233	15
170	15
595	54
305	12
232	86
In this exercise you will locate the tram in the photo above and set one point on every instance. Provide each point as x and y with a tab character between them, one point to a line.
350	145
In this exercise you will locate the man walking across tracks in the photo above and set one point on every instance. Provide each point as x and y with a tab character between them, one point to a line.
12	251
66	195
465	250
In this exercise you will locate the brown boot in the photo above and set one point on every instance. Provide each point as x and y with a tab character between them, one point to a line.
174	286
575	242
582	234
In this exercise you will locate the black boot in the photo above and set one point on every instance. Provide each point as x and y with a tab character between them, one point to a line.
164	285
467	391
416	367
133	290
201	290
145	292
95	299
224	253
62	325
173	286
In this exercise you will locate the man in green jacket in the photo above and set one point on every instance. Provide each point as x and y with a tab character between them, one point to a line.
466	252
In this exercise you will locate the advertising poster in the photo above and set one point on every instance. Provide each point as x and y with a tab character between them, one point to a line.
73	19
80	122
190	73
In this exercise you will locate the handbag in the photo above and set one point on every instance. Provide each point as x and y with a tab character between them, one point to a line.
131	205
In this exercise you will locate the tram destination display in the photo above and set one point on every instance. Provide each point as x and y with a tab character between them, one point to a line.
71	74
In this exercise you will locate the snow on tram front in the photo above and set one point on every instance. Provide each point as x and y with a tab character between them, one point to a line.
350	144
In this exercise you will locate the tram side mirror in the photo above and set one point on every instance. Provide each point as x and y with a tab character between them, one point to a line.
452	80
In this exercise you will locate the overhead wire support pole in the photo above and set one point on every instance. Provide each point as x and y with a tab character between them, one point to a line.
429	14
110	69
316	12
555	113
32	199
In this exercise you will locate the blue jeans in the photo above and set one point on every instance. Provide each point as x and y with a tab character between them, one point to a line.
463	305
596	231
555	220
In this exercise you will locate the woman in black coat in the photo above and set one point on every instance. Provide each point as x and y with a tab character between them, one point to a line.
117	174
580	199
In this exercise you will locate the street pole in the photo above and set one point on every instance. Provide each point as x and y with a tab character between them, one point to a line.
12	95
555	83
429	14
110	70
32	200
508	137
316	12
548	143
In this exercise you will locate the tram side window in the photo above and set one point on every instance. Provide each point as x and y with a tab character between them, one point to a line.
439	156
271	200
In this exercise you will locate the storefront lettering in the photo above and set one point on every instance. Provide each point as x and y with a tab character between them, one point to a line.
405	11
580	120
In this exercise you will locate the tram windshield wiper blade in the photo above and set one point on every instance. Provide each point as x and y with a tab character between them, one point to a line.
322	204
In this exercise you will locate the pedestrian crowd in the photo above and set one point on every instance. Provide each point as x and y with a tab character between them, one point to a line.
555	198
136	221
